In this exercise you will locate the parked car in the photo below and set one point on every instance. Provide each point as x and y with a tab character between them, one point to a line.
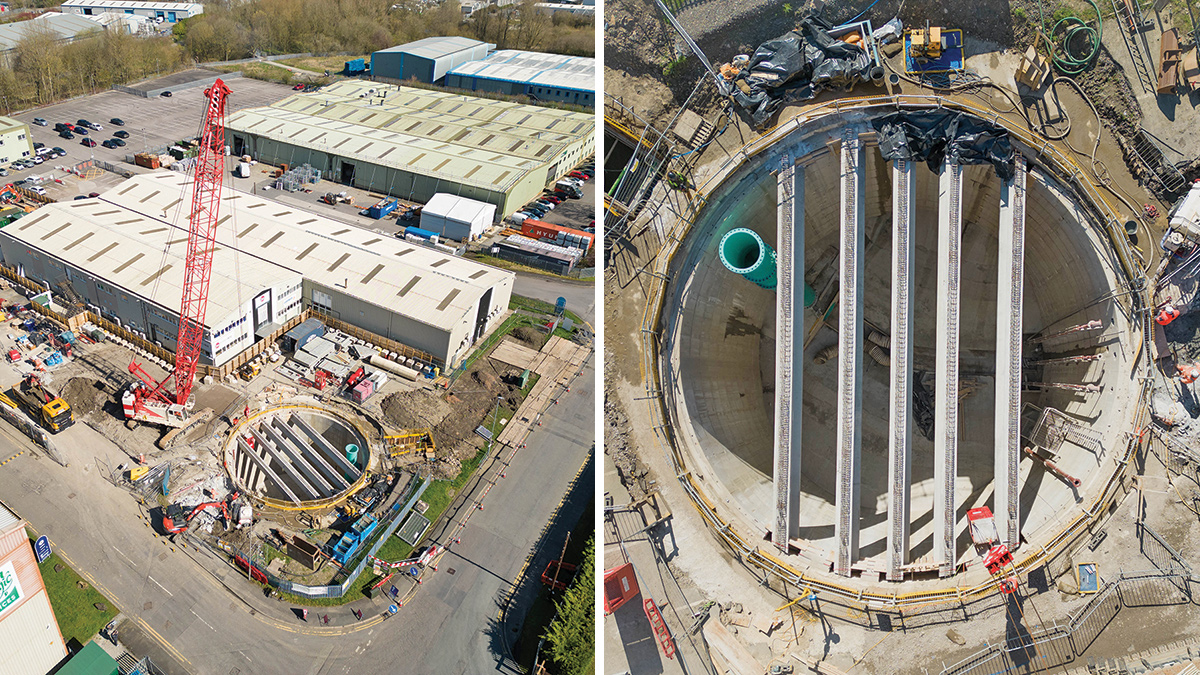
121	134
59	126
117	121
108	144
38	160
78	197
3	172
577	174
118	142
95	126
66	134
82	131
88	142
298	87
36	190
82	123
165	94
93	194
519	217
40	121
60	152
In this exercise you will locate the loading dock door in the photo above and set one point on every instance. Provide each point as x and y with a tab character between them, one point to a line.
262	309
347	173
239	146
481	314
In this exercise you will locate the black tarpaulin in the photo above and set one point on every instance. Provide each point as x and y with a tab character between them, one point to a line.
937	136
798	65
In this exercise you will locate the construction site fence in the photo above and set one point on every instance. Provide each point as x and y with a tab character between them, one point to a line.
858	602
1044	648
393	518
34	431
33	196
121	171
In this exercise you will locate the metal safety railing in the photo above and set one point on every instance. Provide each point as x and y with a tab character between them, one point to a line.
1079	523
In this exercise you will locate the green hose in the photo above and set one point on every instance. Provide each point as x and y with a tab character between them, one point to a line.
1077	55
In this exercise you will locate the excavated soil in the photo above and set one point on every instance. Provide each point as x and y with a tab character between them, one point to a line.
86	396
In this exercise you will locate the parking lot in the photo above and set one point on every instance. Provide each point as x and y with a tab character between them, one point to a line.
151	123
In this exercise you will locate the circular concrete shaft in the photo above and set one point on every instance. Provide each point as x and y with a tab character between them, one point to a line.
719	348
297	456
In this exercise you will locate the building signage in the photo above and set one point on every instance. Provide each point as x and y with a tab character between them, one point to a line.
10	588
42	549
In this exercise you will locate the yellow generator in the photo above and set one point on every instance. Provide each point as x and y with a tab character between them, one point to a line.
925	43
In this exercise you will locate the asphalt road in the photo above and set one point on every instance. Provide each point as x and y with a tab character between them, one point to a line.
188	623
581	296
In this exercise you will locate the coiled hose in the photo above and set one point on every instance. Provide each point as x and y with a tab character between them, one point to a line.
1080	42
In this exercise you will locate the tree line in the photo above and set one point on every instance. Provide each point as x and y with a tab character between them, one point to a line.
41	69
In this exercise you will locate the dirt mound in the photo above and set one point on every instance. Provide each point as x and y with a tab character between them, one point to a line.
414	409
85	395
528	335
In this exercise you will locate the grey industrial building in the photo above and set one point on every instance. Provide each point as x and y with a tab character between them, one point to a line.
540	76
169	12
427	60
414	143
123	254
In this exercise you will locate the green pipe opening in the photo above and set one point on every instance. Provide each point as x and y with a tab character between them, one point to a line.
744	252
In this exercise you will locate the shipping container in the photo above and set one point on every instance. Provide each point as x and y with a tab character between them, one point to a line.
557	233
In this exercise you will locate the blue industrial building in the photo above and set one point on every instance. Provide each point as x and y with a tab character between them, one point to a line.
542	77
427	60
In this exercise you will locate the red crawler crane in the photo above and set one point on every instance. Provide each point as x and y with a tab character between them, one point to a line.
150	401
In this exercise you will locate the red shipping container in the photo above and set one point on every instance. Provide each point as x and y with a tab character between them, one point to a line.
544	230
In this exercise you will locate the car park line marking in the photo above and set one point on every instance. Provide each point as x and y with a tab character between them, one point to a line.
201	619
12	458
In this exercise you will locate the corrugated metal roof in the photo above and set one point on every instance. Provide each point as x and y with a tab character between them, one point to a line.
61	26
137	252
459	209
7	518
190	7
437	47
474	141
320	249
535	68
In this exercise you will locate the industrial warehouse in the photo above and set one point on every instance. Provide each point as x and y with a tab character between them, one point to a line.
542	77
414	143
271	263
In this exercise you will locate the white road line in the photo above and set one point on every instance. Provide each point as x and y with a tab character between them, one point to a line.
131	563
161	586
207	624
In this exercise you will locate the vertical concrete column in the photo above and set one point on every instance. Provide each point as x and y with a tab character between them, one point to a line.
904	209
850	350
945	417
789	367
1009	309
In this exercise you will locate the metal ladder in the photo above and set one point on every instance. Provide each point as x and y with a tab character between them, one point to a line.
783	416
1130	19
848	354
900	355
951	366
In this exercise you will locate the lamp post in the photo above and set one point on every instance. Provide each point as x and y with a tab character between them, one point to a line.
495	417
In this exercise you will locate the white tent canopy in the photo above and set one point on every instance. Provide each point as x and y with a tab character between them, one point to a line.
457	217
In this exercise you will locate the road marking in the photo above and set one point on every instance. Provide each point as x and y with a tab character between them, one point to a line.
201	619
131	563
163	641
12	458
161	586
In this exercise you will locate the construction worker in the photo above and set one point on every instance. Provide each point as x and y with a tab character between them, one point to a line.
1167	314
1189	373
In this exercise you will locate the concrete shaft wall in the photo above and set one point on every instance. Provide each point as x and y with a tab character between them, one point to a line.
722	348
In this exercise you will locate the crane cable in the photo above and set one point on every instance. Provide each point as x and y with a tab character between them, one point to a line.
1076	56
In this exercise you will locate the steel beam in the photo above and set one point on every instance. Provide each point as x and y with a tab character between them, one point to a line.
262	464
904	209
1010	283
789	367
850	349
945	418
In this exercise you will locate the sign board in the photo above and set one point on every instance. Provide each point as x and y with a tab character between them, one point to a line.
42	548
10	588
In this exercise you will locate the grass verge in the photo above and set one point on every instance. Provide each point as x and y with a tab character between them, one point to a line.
74	607
319	64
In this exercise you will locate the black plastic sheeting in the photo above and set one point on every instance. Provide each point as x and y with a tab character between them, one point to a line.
798	65
937	136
